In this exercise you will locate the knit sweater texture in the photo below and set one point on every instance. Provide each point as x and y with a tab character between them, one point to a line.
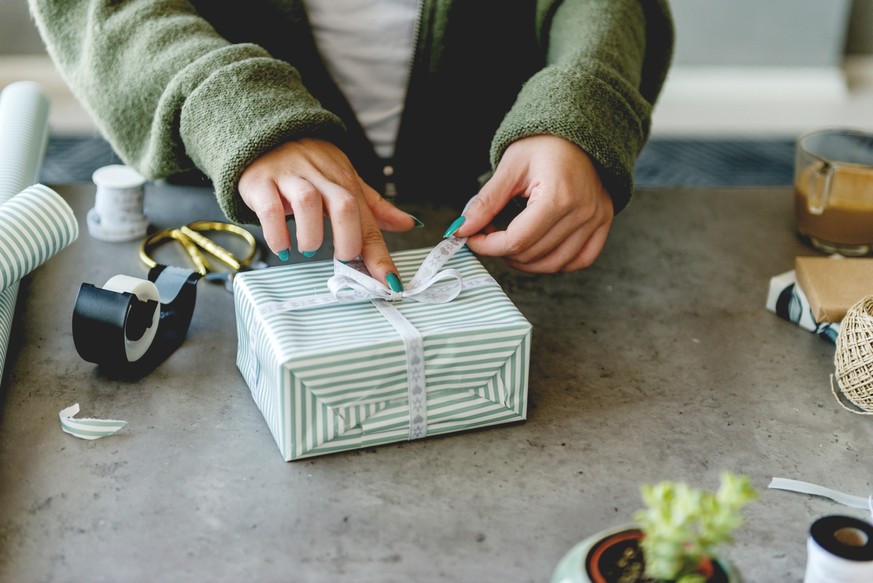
179	86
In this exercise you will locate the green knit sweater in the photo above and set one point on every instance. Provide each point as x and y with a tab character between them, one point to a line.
178	85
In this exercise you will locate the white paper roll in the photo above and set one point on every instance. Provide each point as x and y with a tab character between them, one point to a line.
840	550
24	112
144	290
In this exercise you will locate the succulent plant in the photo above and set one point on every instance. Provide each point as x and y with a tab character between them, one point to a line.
682	525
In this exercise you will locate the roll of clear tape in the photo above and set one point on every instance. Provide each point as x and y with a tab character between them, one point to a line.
119	203
139	330
839	550
130	325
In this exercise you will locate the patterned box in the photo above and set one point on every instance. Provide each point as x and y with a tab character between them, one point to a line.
337	362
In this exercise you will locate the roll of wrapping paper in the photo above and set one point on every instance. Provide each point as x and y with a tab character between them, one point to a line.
24	130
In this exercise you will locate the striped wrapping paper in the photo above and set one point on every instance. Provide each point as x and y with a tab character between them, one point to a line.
24	131
333	378
34	226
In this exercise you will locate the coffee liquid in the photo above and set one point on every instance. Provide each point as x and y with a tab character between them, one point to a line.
848	215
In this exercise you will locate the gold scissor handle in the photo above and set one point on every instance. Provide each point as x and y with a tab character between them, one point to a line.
191	238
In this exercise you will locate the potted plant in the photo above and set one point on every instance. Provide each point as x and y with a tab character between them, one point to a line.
674	538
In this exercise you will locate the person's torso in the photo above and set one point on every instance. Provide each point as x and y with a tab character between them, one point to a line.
470	60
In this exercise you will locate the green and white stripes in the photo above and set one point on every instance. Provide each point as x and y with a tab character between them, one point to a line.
334	377
34	225
88	428
29	237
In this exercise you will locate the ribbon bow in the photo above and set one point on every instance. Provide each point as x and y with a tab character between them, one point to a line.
352	283
430	285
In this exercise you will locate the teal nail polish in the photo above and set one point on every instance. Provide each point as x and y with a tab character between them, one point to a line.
283	255
394	282
418	223
309	253
453	228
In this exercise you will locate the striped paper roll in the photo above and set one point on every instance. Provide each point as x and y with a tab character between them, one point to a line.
334	377
24	113
34	226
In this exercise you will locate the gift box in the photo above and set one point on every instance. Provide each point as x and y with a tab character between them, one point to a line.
834	284
336	361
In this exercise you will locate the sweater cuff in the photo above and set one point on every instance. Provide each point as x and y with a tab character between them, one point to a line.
242	111
595	109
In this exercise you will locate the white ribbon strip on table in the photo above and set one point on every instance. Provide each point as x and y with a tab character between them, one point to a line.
87	427
816	490
430	285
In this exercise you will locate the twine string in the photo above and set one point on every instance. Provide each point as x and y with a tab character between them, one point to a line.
853	359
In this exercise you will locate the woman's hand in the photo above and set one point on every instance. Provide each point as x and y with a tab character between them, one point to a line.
568	213
310	178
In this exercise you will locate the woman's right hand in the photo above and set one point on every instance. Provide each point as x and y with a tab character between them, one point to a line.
309	179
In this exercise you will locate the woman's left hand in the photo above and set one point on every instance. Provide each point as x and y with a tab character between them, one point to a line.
568	214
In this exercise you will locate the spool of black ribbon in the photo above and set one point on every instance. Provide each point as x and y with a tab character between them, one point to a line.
131	325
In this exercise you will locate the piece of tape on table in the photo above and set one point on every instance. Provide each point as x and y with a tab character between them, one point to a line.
87	427
24	134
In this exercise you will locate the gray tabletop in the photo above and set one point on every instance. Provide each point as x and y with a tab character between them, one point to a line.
660	362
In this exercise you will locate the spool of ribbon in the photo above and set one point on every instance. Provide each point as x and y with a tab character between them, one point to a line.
118	213
431	284
839	550
131	325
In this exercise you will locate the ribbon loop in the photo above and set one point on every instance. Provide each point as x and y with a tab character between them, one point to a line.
430	285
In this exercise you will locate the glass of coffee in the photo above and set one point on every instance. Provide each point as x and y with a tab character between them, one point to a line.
833	190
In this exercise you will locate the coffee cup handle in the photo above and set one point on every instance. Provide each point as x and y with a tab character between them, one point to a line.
819	188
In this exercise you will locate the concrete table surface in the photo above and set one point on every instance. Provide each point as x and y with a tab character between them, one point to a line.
660	362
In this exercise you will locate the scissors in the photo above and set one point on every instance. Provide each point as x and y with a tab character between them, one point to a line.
192	239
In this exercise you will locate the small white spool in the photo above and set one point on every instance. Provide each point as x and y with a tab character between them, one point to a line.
118	213
144	290
840	550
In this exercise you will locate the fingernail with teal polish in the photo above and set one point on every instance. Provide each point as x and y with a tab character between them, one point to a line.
453	228
283	255
418	223
308	253
394	282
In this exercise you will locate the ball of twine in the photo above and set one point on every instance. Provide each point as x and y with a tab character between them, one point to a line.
854	355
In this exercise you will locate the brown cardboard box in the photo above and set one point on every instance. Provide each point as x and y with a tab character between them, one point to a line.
833	285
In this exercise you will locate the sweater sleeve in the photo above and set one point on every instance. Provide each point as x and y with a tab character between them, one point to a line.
606	61
170	94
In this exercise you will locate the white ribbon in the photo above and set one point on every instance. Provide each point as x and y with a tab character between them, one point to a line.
816	490
431	284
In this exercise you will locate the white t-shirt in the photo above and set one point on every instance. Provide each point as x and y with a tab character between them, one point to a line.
367	46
